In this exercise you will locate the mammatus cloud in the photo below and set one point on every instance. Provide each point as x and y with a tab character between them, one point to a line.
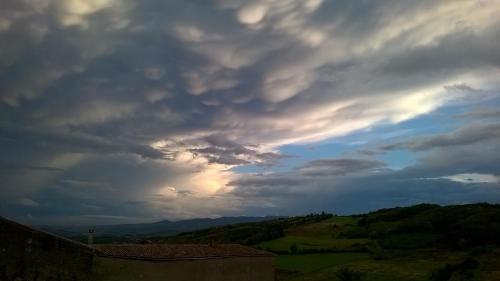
191	89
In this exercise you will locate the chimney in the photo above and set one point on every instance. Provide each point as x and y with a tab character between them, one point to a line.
90	237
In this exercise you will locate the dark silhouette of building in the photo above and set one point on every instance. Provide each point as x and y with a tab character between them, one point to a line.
28	254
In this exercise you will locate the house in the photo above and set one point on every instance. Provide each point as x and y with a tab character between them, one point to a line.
28	254
222	262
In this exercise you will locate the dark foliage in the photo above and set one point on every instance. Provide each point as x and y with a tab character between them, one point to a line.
245	233
464	270
426	225
398	213
347	274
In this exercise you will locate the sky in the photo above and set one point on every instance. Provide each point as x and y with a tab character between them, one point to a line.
123	111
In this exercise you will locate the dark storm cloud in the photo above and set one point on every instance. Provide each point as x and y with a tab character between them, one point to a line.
361	193
471	149
74	142
218	149
483	113
8	167
116	181
306	173
464	136
344	166
268	180
313	186
478	158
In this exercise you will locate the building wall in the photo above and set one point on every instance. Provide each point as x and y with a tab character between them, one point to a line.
30	255
229	269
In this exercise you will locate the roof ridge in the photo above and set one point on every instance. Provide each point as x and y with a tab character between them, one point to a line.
178	251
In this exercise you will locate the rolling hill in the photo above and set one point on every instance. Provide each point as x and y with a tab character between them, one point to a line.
127	232
416	243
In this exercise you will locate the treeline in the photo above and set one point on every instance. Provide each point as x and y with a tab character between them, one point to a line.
429	225
244	233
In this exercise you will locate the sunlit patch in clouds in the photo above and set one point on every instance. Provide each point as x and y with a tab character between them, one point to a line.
189	92
473	178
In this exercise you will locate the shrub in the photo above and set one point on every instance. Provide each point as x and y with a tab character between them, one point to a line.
409	241
347	274
464	270
442	274
376	251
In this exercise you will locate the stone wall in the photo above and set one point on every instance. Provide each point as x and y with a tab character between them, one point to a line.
31	255
227	269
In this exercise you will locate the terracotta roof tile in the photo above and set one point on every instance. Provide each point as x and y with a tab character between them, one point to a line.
177	252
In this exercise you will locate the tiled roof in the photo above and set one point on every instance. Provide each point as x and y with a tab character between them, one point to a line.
177	252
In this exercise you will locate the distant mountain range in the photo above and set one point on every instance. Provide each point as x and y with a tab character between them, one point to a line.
161	228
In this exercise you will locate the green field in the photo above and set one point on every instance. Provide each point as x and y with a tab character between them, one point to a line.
319	236
313	262
320	267
324	229
416	266
311	243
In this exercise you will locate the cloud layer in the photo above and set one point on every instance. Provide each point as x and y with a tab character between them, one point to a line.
150	104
